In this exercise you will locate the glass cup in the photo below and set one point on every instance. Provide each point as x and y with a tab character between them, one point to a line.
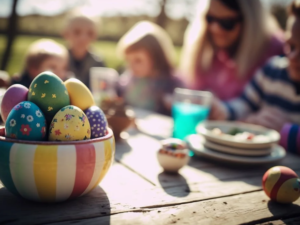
102	83
189	109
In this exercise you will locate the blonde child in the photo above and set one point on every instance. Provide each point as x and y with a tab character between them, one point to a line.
80	32
42	55
149	80
272	98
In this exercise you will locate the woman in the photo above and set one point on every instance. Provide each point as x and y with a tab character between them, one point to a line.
226	43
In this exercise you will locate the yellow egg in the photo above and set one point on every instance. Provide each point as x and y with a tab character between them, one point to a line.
80	95
69	124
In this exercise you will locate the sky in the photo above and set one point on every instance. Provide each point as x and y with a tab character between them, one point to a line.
176	9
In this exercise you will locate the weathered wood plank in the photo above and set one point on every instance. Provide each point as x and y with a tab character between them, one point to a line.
118	184
125	193
240	209
139	154
120	199
153	124
289	221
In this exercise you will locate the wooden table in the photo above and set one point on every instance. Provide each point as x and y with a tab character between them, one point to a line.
137	191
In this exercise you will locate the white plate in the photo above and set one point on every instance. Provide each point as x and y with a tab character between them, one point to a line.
272	136
233	150
194	143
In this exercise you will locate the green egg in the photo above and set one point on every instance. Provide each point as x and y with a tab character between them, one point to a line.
49	93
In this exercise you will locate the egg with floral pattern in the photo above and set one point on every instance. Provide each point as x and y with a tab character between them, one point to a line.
26	121
69	124
49	93
97	121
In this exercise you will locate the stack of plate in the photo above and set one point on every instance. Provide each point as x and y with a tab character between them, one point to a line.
227	148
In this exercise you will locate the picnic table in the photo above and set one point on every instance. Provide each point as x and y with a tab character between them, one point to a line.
137	191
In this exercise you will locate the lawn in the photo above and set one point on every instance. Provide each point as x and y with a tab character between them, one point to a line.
105	48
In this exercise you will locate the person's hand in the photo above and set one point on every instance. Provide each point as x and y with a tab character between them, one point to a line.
268	117
218	110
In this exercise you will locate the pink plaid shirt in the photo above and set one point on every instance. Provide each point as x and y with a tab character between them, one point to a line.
222	78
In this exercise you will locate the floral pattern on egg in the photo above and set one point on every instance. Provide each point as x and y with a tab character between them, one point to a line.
69	124
22	122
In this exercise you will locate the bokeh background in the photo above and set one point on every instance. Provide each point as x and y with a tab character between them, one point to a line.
24	21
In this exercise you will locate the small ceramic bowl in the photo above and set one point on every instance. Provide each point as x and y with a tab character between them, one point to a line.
54	171
119	124
173	155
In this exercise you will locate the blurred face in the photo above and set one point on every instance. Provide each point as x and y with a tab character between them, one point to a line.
80	34
292	48
224	25
139	62
57	65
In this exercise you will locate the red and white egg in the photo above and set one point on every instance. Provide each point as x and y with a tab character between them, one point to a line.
173	155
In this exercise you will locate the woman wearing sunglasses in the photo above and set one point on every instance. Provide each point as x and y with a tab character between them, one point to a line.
226	43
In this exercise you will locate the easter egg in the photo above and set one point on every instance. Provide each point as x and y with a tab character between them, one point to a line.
69	124
26	121
80	95
172	155
15	94
281	184
49	93
97	121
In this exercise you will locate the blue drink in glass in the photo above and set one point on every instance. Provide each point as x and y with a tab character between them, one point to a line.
186	118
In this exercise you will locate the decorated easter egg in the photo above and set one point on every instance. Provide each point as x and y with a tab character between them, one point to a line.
97	121
172	155
26	121
80	95
281	184
49	93
69	124
15	94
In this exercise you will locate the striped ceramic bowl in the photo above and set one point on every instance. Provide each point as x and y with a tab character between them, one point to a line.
54	171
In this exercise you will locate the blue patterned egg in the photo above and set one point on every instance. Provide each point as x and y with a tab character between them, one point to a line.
97	121
26	122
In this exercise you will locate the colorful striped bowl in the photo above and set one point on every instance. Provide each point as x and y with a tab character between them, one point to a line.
54	171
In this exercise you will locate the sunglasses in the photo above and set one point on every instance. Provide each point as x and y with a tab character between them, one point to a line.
226	24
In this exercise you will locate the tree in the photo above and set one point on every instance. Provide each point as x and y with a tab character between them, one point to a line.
162	17
10	35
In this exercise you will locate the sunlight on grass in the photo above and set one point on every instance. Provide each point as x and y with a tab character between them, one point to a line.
107	49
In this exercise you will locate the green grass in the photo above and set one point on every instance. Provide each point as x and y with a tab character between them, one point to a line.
16	62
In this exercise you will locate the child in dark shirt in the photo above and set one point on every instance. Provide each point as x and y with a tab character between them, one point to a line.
80	32
43	55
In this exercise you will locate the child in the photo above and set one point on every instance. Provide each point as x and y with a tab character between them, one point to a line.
272	98
43	55
149	80
80	32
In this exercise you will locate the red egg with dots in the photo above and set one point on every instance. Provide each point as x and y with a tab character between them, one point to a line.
281	184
